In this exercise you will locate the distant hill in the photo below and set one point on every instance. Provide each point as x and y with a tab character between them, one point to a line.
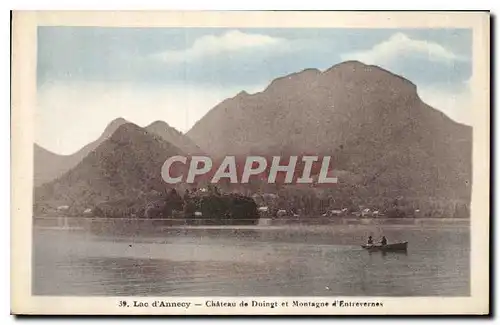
125	166
175	137
49	166
371	121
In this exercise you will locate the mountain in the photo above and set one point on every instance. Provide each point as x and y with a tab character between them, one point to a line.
175	137
371	121
49	166
127	165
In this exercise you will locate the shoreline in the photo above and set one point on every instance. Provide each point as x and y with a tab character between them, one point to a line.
288	227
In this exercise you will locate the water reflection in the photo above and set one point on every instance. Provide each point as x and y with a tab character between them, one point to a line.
243	262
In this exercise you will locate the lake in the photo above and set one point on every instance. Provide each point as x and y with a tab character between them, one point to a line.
324	260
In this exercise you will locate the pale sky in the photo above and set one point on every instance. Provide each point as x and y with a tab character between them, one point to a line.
88	76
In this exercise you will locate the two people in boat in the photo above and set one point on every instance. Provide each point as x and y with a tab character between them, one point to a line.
383	241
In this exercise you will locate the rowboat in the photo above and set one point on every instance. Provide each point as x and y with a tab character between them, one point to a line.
396	247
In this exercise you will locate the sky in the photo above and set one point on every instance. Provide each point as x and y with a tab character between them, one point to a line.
89	76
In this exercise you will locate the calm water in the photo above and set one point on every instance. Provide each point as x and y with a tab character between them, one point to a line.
286	261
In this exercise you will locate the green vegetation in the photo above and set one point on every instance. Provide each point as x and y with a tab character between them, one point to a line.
195	207
309	202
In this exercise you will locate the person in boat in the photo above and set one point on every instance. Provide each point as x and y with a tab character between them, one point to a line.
383	241
370	240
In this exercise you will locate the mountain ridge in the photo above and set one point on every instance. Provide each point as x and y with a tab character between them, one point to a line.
370	121
49	165
126	165
174	136
361	115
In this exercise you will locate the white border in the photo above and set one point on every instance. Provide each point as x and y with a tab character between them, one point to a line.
146	2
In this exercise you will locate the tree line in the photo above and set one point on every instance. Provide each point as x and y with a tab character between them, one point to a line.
194	206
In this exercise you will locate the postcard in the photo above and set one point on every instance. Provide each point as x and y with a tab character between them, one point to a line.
250	163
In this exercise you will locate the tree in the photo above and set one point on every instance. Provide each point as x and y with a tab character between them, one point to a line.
174	201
